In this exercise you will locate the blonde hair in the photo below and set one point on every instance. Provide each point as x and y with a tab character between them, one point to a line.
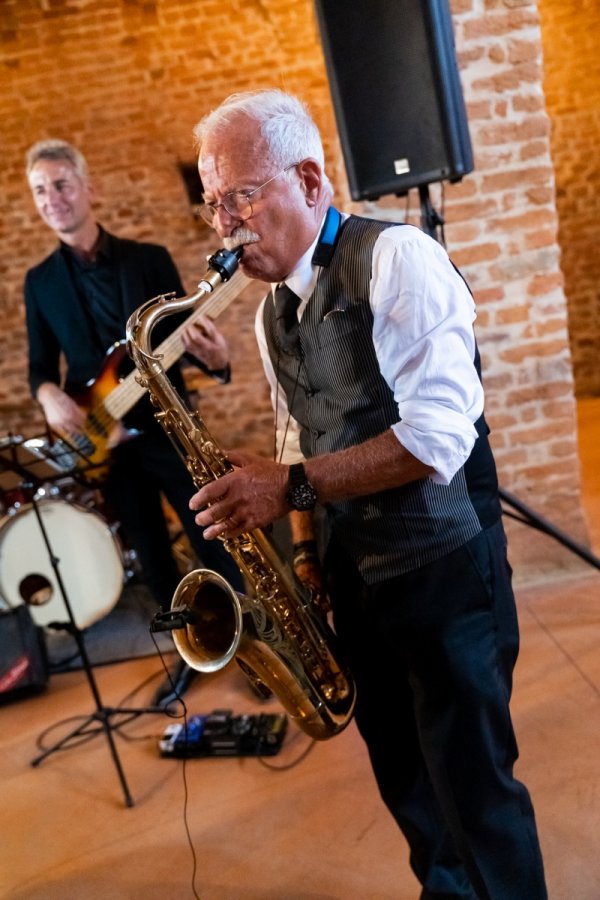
52	148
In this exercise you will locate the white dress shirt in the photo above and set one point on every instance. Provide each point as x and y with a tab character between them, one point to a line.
423	318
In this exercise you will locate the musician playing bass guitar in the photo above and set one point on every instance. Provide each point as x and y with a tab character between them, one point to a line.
78	301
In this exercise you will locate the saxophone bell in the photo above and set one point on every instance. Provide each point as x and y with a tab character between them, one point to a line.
216	624
211	614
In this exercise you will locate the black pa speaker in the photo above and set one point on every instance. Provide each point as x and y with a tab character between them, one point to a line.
396	93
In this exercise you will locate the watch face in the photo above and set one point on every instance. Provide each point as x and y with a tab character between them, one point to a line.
302	497
305	497
301	494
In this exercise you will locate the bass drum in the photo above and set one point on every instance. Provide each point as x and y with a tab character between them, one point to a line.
88	557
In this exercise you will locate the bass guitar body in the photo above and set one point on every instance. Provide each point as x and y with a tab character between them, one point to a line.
89	452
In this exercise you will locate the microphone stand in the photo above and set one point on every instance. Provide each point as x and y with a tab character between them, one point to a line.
102	715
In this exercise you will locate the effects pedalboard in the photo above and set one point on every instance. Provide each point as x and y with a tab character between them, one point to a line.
222	734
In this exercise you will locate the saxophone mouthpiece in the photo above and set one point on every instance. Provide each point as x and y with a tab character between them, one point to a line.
225	262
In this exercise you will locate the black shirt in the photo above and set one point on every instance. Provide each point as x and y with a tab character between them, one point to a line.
97	287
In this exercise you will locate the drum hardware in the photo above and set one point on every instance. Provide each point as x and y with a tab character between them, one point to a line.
20	467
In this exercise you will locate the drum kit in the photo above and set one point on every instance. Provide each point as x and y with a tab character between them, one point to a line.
40	500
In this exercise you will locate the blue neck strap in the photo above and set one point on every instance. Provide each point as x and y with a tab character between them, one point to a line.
328	238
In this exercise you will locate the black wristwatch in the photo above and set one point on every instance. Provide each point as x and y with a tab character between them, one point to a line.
300	494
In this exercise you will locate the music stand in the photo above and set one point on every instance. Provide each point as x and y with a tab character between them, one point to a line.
23	468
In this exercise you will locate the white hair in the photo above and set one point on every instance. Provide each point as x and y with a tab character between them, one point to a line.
284	122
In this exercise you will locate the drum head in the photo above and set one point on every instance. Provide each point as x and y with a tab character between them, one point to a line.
88	561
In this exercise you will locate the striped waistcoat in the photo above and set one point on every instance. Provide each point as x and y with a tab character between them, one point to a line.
337	394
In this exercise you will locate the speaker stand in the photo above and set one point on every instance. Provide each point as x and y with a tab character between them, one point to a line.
527	516
432	223
102	715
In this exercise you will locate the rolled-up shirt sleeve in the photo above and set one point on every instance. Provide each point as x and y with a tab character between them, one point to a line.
424	341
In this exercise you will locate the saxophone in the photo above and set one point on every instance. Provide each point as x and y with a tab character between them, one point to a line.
275	631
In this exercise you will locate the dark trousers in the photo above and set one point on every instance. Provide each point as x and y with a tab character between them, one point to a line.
433	652
143	469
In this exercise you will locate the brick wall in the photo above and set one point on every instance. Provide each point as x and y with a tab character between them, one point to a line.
127	81
572	88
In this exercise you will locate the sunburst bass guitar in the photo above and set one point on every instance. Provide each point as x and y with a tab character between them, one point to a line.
108	397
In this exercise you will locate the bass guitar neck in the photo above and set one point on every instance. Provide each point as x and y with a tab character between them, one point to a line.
109	397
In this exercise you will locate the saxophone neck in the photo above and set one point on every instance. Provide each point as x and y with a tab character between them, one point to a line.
222	265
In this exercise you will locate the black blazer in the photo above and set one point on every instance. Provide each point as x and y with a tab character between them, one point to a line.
56	319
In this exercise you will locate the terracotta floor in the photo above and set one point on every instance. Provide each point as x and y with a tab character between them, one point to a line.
295	828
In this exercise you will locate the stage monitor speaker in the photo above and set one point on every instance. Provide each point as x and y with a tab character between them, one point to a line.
396	92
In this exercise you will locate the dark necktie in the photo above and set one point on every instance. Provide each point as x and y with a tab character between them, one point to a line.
286	313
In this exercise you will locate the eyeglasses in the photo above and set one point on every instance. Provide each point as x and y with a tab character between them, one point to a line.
237	204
